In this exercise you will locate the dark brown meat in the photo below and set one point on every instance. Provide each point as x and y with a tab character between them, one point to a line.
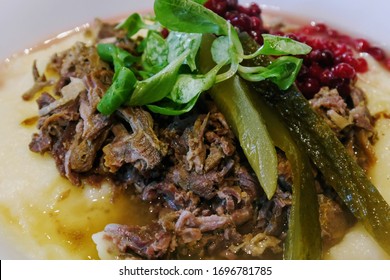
77	135
175	197
350	120
107	31
203	185
40	82
150	242
92	130
205	202
190	168
335	221
140	147
360	114
51	127
83	150
196	154
332	107
80	61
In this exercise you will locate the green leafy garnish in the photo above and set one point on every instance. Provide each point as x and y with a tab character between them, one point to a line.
178	42
119	57
190	17
135	23
169	82
279	45
186	92
158	86
170	108
155	55
200	1
282	72
118	92
220	49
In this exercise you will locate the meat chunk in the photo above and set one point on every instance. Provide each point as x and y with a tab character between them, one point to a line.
141	147
332	107
40	82
52	127
258	245
150	242
203	185
351	121
334	220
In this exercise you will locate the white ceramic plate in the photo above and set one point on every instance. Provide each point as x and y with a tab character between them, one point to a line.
25	24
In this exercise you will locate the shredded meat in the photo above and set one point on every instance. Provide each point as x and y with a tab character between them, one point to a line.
149	242
196	204
141	148
351	121
334	220
78	136
40	82
189	168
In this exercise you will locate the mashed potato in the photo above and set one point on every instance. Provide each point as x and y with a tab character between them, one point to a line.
43	216
358	244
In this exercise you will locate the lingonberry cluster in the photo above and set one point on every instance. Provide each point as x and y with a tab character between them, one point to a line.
334	60
246	18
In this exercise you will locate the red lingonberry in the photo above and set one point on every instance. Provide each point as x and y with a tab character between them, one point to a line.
308	30
303	73
387	63
344	71
343	87
319	27
208	4
377	53
346	57
217	6
360	65
362	45
256	23
242	21
324	57
316	43
340	49
232	4
243	10
327	78
256	35
230	15
254	10
164	32
309	87
332	33
292	36
315	71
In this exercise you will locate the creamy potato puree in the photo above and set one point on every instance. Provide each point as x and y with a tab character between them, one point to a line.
358	244
43	216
